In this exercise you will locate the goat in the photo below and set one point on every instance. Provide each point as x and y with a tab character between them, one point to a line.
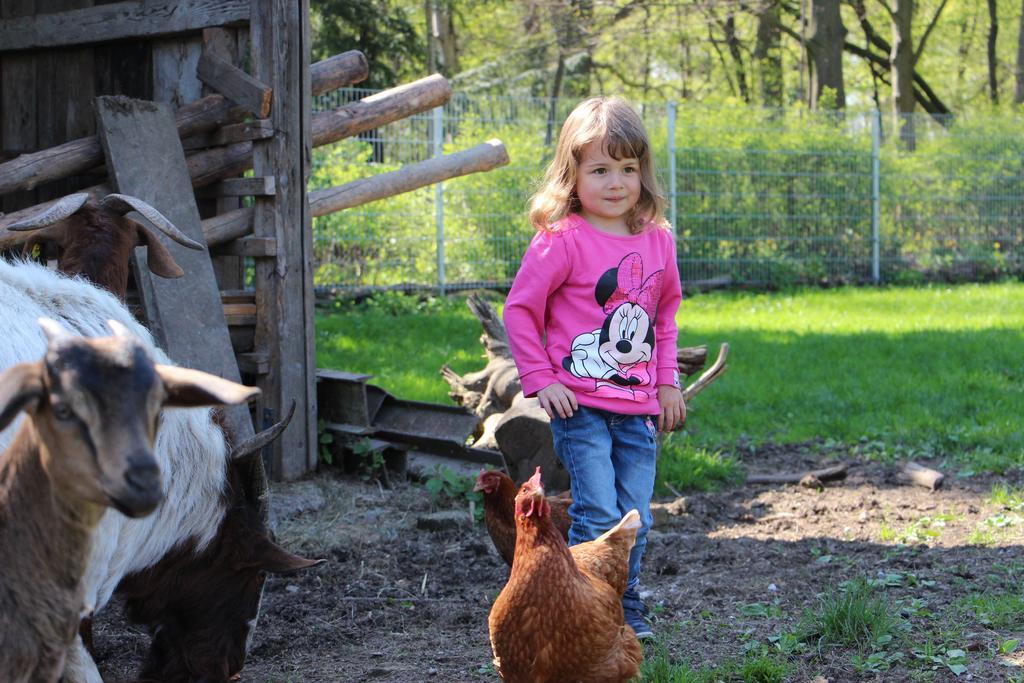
203	510
97	238
92	407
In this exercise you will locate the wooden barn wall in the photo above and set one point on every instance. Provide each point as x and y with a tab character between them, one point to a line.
46	96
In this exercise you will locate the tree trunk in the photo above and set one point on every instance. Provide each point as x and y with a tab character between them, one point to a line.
768	55
1018	95
902	60
825	45
733	43
993	33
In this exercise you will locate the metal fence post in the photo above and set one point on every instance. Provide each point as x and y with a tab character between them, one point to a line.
671	117
876	195
439	197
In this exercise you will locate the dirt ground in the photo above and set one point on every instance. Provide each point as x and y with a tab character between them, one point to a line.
726	575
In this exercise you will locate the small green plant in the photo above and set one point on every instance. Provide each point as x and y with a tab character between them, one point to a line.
922	530
447	485
1011	498
851	616
369	459
324	441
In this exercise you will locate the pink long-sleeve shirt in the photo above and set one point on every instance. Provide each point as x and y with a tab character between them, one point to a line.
596	312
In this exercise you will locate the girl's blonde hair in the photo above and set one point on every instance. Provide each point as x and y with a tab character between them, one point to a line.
613	122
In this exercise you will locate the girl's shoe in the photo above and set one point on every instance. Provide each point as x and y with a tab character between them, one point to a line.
635	610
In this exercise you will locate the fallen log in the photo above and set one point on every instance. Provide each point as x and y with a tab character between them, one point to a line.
833	473
28	171
919	475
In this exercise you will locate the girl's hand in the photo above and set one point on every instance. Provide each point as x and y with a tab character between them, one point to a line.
673	408
556	398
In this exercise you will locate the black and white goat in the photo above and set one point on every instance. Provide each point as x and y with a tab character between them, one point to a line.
92	415
211	550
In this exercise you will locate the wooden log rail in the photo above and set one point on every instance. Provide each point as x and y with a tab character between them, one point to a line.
28	171
483	157
211	165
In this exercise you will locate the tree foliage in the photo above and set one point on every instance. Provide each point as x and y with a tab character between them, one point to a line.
686	50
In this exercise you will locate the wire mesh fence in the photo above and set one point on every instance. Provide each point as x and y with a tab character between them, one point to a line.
757	196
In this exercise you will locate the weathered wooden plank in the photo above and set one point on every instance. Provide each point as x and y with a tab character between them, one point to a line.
118	21
257	247
244	187
235	84
261	129
18	102
279	31
186	314
174	71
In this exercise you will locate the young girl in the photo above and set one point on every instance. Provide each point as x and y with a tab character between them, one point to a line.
591	322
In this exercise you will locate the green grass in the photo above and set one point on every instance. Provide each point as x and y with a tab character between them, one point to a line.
996	611
683	466
659	667
907	370
851	616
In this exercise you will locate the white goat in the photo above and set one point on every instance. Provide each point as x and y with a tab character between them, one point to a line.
190	448
92	407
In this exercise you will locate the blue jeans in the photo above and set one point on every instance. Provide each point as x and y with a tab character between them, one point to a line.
611	460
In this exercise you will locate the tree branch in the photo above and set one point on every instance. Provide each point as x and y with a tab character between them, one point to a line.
928	31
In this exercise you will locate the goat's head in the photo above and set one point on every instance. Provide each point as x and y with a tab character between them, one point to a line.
203	608
94	405
96	238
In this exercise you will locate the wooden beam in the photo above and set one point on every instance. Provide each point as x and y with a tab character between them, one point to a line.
119	21
243	187
257	247
280	36
483	157
75	156
385	107
222	228
338	71
29	170
235	84
380	108
260	129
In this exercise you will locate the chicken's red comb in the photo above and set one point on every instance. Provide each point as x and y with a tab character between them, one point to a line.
535	479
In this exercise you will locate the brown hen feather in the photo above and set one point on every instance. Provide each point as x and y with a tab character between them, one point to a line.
558	618
499	492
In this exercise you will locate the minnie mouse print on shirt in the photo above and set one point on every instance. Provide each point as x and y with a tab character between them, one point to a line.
616	356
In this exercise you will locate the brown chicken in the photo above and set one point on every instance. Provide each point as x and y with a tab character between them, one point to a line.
499	511
559	617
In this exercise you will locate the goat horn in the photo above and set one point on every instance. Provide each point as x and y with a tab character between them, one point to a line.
255	480
254	443
53	330
124	203
63	208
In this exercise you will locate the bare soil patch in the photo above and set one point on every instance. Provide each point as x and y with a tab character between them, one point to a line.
396	602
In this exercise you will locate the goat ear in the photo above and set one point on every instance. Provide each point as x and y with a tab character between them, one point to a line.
158	258
190	388
271	557
53	233
19	386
